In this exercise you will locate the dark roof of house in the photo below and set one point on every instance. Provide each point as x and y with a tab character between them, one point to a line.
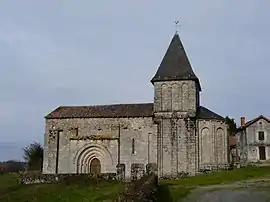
247	124
175	64
117	110
204	113
103	111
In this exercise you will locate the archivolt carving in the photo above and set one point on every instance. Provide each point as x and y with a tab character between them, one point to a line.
205	132
163	89
185	96
220	144
90	151
176	97
206	146
166	97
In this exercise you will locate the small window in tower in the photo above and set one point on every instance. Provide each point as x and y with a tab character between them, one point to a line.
261	135
133	146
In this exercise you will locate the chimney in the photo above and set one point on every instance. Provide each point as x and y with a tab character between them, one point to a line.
243	121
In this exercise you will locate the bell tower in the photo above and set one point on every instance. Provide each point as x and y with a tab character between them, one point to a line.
176	99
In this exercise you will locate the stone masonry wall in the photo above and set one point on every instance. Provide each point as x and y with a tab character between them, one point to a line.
176	147
176	96
75	154
175	105
213	144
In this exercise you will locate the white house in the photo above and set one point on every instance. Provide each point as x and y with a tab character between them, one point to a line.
253	140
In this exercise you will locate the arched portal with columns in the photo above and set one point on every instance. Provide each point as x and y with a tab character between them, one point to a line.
94	157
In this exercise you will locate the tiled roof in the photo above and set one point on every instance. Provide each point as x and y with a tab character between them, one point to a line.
117	110
204	113
256	119
247	124
175	64
103	111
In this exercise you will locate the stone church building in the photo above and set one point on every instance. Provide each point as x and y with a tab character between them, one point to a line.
174	133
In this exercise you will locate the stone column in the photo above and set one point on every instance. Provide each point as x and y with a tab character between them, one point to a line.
174	148
159	147
191	145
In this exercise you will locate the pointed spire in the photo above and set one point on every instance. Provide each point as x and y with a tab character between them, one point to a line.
175	64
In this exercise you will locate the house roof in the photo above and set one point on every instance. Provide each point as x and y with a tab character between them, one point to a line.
247	124
204	113
118	110
175	64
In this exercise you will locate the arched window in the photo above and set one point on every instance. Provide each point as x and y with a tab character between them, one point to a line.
133	146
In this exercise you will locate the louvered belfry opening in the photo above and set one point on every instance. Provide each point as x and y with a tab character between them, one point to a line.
95	166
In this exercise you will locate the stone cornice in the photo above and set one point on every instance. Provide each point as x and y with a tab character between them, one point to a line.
94	137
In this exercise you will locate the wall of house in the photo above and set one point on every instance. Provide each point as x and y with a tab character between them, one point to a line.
75	155
242	148
212	143
252	136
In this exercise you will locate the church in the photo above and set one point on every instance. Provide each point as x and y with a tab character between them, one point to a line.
174	133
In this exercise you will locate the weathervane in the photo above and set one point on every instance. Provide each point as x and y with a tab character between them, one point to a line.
177	25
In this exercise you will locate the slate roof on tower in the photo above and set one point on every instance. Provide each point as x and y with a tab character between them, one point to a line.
175	64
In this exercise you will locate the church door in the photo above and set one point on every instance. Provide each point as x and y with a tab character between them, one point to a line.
95	166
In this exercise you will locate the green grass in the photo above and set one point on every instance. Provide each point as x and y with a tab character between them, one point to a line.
11	191
173	190
168	190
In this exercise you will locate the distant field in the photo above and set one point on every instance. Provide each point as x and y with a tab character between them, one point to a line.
11	191
171	190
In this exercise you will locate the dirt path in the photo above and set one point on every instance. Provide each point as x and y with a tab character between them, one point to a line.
247	191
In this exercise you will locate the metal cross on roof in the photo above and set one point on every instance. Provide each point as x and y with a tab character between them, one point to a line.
177	25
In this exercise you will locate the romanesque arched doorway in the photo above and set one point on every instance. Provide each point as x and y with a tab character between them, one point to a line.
95	166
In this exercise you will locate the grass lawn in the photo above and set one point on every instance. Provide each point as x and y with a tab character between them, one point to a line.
11	191
172	190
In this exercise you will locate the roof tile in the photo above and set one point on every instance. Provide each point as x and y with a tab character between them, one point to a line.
103	111
117	110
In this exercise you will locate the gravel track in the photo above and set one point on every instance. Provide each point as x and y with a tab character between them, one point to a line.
246	191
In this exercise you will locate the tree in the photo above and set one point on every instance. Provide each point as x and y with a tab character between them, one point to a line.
33	154
232	125
14	166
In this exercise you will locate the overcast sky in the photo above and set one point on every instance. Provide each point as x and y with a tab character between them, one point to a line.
101	52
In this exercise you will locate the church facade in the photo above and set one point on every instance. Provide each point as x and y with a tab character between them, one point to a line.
175	132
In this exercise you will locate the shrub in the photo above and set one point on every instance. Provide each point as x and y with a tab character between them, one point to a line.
140	190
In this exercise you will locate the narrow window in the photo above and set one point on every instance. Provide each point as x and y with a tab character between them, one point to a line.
74	132
133	146
261	135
